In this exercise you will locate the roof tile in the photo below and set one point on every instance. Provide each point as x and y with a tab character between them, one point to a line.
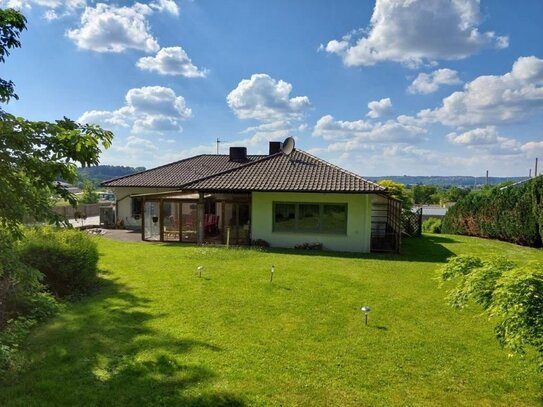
299	171
180	172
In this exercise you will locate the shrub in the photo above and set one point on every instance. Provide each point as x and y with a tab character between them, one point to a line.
513	214
19	283
431	225
68	258
11	338
260	243
309	246
508	293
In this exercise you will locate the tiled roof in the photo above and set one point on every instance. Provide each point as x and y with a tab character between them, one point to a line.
180	172
300	172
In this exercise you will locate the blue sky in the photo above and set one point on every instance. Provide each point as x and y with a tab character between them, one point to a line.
392	87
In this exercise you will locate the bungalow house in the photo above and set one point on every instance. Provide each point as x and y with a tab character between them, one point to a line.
283	198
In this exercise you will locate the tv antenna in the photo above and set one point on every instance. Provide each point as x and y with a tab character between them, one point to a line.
288	146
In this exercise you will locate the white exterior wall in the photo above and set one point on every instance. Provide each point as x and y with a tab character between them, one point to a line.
124	203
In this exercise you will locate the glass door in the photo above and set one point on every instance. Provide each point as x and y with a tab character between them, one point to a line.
170	220
236	223
189	222
243	223
151	220
229	223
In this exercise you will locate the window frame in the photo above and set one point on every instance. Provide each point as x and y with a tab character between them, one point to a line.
321	206
134	206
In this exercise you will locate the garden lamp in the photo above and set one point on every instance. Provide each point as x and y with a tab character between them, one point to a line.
366	310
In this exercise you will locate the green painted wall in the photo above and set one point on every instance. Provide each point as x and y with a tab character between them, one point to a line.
358	234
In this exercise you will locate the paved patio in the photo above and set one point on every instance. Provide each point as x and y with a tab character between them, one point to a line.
119	234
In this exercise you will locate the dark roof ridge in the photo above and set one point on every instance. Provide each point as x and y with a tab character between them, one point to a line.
342	169
266	157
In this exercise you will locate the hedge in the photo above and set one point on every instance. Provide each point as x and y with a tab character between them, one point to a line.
68	259
513	214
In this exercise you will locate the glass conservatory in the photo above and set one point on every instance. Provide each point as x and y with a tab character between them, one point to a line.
196	217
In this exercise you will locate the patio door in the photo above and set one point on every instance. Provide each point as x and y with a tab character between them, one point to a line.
151	220
170	220
189	222
236	222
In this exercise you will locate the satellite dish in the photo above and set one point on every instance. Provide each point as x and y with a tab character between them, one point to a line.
288	146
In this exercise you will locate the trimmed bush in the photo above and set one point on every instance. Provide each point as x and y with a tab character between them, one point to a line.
260	243
68	259
513	214
431	225
19	283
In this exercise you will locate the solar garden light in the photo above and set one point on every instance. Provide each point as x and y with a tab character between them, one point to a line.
366	310
199	270
271	273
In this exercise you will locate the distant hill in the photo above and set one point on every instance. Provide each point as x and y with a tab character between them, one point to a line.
101	173
447	181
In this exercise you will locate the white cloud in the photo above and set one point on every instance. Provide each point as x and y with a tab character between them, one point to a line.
491	99
106	28
266	99
417	31
51	15
379	108
147	109
431	82
329	129
169	6
135	144
55	8
61	8
353	134
487	139
480	136
533	149
268	127
171	61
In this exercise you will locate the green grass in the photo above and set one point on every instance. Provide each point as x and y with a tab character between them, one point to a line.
156	334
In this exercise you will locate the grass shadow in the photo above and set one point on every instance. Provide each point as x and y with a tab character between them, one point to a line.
418	249
427	248
103	352
378	327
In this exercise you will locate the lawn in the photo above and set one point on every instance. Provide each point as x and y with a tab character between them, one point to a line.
157	334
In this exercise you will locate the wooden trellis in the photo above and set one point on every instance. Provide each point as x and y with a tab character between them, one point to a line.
412	223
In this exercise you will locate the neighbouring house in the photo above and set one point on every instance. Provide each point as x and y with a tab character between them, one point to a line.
283	199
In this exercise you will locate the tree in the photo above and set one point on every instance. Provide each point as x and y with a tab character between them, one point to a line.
510	294
89	196
454	194
425	194
11	25
398	191
34	154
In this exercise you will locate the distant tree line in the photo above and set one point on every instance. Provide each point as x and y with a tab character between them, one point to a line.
511	213
99	173
446	181
423	194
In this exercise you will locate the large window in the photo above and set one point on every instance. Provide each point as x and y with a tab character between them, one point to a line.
310	217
